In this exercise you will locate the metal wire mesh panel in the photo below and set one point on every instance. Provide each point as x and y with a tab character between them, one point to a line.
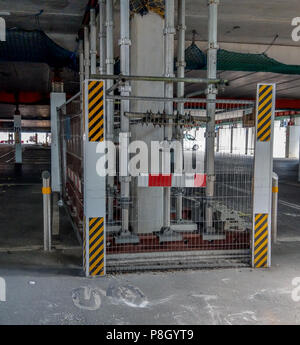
71	158
187	242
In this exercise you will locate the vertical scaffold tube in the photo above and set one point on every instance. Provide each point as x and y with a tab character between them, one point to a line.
86	53
211	109
110	103
169	32
93	38
102	36
125	91
180	86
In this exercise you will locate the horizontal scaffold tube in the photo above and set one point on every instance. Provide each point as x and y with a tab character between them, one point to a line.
178	100
160	79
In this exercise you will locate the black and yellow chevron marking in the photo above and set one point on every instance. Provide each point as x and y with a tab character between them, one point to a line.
95	110
261	240
264	114
96	246
84	247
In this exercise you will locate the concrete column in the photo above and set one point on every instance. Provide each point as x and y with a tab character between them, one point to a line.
18	138
147	58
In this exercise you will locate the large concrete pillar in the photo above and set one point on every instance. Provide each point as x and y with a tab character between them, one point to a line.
147	58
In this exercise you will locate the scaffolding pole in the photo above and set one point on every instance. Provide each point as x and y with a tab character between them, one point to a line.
125	43
86	53
93	39
211	109
110	102
169	32
180	86
102	37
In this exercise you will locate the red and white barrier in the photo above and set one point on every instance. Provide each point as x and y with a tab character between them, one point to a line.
172	180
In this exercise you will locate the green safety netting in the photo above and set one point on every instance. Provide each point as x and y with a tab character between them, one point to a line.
232	61
35	46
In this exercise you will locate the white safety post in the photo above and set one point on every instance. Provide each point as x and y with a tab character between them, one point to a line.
18	137
57	99
263	168
46	191
94	183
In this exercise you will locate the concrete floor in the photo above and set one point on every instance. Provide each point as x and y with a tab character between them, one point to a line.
54	293
50	288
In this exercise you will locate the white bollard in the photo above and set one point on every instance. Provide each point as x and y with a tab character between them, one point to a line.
46	190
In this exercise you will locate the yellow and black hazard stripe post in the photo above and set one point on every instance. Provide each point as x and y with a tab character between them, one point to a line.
264	114
94	240
261	240
95	111
263	169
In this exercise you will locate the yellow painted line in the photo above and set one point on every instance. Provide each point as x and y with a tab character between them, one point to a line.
261	97
92	83
96	89
265	102
96	109
96	118
266	135
262	238
260	115
261	89
96	253
96	128
261	221
257	217
96	244
95	100
261	246
98	269
95	226
267	117
261	130
262	262
98	135
261	230
260	255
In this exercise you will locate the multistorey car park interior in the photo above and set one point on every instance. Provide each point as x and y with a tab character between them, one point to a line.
77	75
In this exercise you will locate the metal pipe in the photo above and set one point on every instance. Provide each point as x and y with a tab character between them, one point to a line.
246	141
93	41
46	190
169	32
102	37
81	66
274	207
211	110
178	100
86	53
160	79
125	43
180	86
110	102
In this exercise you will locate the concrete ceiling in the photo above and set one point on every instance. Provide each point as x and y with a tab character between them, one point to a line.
252	21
